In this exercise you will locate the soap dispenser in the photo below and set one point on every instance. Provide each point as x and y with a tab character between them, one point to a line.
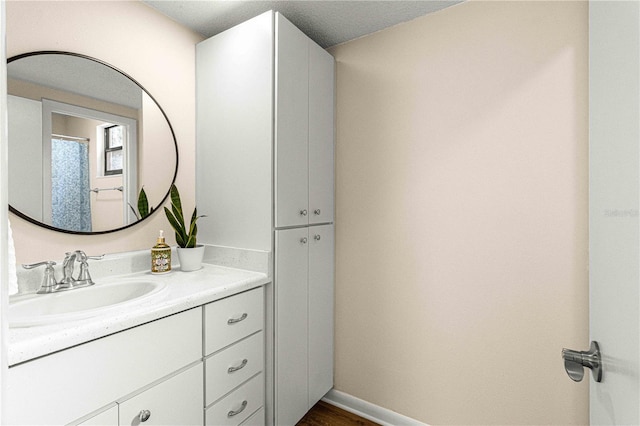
160	256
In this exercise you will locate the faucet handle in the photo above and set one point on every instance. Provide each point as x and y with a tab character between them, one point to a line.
49	280
82	256
84	278
35	265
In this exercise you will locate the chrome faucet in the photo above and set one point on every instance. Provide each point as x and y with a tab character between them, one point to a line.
68	282
49	284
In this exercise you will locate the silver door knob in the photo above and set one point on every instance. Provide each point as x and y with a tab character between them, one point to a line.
144	415
316	237
303	240
317	212
575	361
303	212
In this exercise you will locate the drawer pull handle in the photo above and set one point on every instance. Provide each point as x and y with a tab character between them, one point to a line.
236	320
144	415
235	413
240	367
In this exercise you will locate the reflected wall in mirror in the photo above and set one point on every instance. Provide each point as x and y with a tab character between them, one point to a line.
84	139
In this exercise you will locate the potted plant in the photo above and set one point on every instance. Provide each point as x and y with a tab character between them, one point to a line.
190	254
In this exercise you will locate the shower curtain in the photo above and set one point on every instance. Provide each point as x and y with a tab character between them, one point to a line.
70	192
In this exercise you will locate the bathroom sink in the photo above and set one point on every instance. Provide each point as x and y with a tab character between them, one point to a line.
46	309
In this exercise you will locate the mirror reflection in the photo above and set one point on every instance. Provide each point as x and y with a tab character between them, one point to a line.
84	141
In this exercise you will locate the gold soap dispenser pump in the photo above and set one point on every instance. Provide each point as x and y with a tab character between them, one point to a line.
160	256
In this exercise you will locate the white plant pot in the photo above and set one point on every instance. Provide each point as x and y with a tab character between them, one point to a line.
191	258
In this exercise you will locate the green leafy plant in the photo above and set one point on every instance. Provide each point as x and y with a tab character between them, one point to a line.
185	237
143	206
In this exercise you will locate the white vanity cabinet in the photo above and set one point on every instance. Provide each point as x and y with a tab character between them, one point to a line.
234	358
304	319
67	385
304	129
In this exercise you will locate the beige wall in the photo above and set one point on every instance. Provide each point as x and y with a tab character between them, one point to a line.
461	214
157	52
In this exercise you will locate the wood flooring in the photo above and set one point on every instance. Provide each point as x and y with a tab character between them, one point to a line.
323	414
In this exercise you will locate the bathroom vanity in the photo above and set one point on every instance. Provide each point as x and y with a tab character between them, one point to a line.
189	354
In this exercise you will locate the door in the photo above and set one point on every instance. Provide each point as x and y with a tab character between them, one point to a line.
321	295
321	129
291	325
614	187
292	125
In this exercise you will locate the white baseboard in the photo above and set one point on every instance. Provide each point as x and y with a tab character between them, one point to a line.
368	410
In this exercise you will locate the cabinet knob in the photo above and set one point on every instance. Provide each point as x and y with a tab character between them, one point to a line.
303	212
303	240
317	212
144	415
316	237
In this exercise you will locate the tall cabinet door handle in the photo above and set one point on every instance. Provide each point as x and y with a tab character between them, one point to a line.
237	320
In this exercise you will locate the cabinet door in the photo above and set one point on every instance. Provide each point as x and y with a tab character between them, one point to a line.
321	134
175	401
292	127
321	291
291	325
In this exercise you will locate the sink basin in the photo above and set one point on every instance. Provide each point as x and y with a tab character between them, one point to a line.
45	309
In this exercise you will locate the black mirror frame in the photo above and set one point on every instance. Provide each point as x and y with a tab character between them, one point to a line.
173	135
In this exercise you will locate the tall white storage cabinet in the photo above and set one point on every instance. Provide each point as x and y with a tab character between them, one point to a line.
265	167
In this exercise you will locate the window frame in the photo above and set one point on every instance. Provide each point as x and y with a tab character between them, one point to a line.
108	149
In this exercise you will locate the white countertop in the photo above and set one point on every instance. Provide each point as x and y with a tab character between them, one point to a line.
183	290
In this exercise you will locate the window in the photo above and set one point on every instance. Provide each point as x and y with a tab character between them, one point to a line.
113	153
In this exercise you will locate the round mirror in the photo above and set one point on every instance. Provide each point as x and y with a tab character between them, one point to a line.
90	150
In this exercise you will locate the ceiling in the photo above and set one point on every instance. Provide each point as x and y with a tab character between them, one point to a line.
327	22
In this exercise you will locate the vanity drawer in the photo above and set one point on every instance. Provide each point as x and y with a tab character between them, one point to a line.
234	365
229	320
239	405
